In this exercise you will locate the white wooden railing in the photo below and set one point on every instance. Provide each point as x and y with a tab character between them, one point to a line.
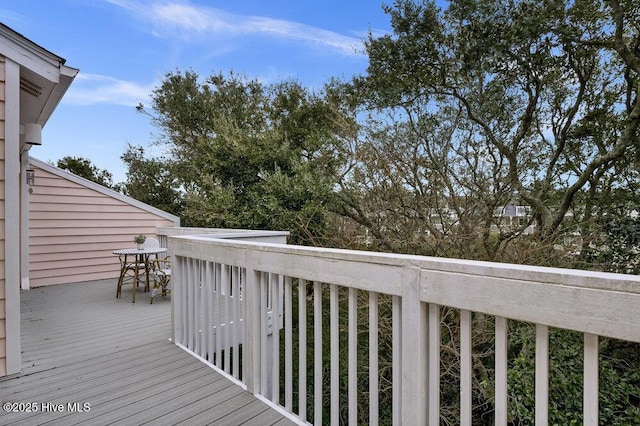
255	312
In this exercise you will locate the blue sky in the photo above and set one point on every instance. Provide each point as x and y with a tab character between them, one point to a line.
124	47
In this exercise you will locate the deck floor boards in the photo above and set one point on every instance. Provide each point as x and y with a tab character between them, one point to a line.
82	345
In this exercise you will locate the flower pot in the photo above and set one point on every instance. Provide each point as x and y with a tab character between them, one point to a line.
141	246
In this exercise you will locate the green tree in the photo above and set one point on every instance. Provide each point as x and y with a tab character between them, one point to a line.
83	167
151	181
252	155
497	100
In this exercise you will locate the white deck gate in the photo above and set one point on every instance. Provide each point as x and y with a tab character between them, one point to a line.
233	300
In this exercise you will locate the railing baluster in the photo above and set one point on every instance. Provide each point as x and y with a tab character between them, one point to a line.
270	281
189	310
591	386
205	311
196	305
226	336
212	326
185	300
235	280
374	389
501	371
353	356
264	331
275	334
205	327
542	374
334	315
317	353
242	316
396	364
288	345
176	299
218	304
434	364
197	312
466	368
302	349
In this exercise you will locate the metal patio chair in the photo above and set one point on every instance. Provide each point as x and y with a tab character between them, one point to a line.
161	274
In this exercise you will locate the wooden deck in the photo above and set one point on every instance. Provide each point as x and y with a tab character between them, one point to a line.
111	362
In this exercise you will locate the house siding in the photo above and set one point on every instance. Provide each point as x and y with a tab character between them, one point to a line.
74	228
3	324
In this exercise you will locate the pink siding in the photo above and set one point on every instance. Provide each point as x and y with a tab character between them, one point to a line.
73	229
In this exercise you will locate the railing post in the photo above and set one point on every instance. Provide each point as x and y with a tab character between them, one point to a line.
542	374
414	350
251	349
591	394
501	389
434	364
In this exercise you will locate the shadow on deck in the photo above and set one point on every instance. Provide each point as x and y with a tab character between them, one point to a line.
91	358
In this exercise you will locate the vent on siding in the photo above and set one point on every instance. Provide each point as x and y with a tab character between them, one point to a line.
30	87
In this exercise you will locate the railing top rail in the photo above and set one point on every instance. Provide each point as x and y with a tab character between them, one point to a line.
539	274
586	309
218	232
524	273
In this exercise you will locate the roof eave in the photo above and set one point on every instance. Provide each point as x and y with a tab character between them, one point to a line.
67	74
42	63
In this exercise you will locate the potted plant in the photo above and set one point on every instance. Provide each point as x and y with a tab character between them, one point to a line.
140	239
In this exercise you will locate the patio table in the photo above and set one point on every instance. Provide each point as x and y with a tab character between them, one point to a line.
133	258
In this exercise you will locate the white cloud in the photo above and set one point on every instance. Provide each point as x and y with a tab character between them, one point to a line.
89	89
8	17
190	18
181	19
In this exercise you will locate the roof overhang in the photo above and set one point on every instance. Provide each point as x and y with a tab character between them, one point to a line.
44	77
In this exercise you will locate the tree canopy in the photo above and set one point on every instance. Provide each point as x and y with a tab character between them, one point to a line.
152	181
251	155
462	111
488	103
83	167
